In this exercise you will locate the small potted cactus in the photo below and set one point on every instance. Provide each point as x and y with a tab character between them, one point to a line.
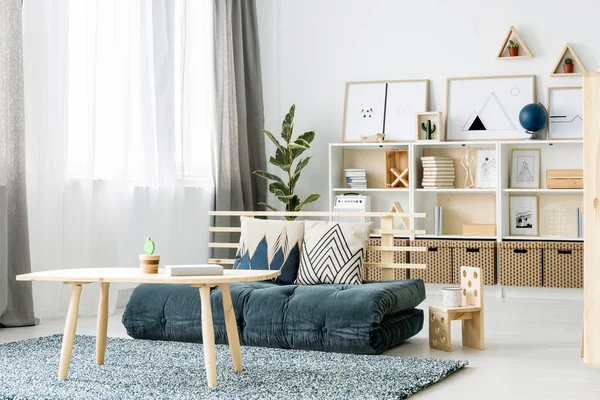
513	48
149	262
568	66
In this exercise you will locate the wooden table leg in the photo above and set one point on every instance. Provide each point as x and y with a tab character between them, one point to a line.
232	330
102	326
69	334
208	337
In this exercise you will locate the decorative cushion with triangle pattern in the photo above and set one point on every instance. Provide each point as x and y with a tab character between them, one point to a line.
333	252
270	245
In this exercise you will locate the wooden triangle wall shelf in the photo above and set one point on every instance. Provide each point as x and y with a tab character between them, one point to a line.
513	35
568	52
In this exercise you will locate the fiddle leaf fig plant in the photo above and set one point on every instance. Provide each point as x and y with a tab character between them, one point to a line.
286	155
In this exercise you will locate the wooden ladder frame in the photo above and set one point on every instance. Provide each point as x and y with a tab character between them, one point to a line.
386	231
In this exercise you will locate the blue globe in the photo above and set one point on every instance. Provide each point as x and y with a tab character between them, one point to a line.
533	117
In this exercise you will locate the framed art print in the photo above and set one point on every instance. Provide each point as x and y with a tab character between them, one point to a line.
487	108
364	110
525	169
565	112
523	216
487	168
388	107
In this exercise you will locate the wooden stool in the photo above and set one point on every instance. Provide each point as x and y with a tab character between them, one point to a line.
471	314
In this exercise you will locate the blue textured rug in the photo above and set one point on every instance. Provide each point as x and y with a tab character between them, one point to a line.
141	369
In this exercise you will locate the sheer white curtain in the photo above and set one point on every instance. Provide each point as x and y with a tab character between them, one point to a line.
118	104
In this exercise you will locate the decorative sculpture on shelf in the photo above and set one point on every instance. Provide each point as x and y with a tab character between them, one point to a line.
429	129
467	161
378	137
400	177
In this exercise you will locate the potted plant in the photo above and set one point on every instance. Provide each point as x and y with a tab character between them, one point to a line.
513	48
286	154
568	66
149	262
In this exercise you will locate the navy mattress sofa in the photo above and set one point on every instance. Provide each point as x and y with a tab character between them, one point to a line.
361	319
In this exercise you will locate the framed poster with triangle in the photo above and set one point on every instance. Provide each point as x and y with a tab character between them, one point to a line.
487	108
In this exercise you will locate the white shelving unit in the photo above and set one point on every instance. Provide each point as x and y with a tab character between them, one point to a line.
461	205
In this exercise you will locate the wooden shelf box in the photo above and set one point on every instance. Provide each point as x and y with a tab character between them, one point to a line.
397	159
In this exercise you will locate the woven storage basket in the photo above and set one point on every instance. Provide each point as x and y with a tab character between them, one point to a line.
374	256
563	265
480	254
521	263
438	258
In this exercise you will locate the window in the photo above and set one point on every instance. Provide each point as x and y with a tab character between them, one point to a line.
139	89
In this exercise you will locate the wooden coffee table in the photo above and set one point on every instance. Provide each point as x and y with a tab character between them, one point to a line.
104	276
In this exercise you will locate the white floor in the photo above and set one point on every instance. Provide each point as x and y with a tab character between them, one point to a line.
532	352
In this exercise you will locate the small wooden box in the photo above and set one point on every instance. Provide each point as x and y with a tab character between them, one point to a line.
436	119
374	256
564	178
479	230
397	159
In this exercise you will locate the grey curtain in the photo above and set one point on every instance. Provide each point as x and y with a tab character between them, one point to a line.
240	145
239	139
16	302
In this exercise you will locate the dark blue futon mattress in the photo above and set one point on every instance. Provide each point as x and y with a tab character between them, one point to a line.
361	319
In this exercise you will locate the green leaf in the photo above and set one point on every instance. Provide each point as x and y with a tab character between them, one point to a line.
267	206
279	187
281	160
302	143
149	246
307	137
310	199
273	139
301	164
276	163
296	146
268	175
293	203
287	126
285	198
299	167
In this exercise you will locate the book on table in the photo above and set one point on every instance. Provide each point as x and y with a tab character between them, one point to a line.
194	269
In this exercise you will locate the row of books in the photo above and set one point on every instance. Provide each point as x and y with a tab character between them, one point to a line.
438	172
356	177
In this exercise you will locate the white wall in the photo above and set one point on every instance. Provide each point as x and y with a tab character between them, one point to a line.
311	48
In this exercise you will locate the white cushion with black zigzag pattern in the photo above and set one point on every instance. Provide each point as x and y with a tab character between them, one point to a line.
332	252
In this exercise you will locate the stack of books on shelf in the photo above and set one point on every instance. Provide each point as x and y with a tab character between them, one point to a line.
356	177
438	172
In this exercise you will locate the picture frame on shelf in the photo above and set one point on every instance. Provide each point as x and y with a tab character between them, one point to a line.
523	214
487	108
429	121
525	168
487	168
387	107
565	112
